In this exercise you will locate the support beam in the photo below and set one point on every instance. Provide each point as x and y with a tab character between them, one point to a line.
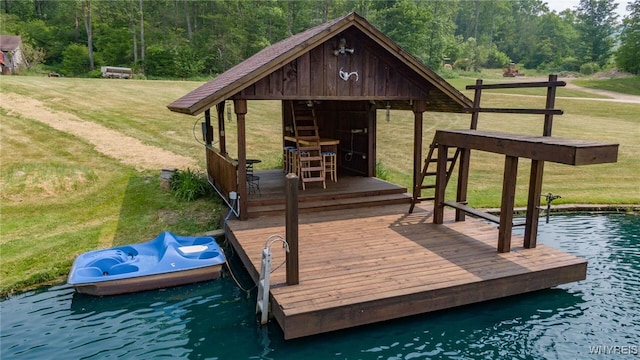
291	229
441	185
221	134
208	138
240	106
551	101
508	200
533	204
463	181
419	107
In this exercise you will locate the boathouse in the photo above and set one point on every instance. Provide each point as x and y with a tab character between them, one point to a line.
367	250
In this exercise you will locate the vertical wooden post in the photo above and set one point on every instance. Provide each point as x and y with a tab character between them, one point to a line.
240	107
291	228
508	200
551	102
537	169
208	129
419	106
441	185
463	181
476	105
533	204
221	134
465	155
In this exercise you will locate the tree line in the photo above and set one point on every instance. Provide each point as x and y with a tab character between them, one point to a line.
187	38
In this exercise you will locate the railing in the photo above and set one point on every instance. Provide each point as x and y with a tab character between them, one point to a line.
222	171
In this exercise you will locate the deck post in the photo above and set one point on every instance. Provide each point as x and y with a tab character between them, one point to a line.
465	155
441	184
508	200
419	108
291	228
221	135
533	204
240	106
208	138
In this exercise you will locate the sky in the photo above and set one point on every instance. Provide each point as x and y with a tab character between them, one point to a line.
559	5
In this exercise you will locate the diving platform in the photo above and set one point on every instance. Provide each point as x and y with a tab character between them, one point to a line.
381	263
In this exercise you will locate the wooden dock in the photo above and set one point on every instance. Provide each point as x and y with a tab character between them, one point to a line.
379	263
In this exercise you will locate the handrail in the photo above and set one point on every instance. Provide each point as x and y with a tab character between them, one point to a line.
517	85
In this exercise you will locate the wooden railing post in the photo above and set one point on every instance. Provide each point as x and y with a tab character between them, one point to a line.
291	228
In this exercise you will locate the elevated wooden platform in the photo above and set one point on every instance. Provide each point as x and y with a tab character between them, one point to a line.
543	148
381	263
350	192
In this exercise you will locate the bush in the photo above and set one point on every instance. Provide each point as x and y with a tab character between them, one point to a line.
589	68
189	185
75	60
570	63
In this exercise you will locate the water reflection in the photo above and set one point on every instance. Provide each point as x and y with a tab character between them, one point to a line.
215	320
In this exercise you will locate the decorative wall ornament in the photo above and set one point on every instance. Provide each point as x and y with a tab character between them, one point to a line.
346	75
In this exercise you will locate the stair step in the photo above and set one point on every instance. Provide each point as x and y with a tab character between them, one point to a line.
333	204
427	198
423	187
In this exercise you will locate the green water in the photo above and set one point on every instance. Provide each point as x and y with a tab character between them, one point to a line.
592	319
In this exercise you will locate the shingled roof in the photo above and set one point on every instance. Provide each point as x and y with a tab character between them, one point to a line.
10	42
272	58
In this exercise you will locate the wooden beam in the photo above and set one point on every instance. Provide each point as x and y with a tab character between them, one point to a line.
515	111
418	109
533	204
221	135
441	184
291	229
208	129
240	107
508	199
475	212
551	101
550	83
463	181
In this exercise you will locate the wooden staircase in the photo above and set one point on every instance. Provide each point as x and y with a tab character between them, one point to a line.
309	163
430	176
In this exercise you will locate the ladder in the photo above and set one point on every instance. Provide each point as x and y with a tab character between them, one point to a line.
432	158
309	159
262	303
264	281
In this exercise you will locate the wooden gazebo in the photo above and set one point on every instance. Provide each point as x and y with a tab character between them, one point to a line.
382	262
347	69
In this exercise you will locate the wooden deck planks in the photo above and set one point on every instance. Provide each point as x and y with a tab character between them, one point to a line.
390	264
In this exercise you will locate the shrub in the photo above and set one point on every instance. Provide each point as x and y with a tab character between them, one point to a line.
189	185
589	68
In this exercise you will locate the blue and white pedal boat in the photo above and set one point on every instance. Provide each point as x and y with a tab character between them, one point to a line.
168	260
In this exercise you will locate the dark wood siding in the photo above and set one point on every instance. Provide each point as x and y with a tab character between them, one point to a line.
317	75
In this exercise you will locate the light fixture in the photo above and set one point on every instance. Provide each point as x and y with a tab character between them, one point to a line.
342	49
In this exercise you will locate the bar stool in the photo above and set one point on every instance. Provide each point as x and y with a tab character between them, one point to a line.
329	161
293	164
287	159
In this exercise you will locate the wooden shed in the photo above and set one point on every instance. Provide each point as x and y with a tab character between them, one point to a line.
345	70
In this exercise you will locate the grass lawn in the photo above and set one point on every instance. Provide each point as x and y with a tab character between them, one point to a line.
627	85
62	195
